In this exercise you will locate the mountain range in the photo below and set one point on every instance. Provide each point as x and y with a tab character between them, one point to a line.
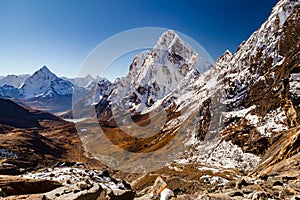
44	90
228	130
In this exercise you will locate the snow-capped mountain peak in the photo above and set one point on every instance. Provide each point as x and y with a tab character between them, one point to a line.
165	40
153	75
44	73
171	42
44	69
44	82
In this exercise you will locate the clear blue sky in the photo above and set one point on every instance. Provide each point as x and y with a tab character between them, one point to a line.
61	33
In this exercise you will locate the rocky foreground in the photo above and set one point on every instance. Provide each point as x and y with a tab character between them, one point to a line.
73	181
65	181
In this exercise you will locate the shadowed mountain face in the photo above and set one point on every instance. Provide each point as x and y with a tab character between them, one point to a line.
12	114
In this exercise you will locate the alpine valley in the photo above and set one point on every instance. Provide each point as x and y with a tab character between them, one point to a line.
228	130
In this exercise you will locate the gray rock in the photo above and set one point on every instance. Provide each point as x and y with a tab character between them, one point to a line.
74	193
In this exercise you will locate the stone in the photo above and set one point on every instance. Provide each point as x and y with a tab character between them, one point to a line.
287	191
295	198
242	182
59	194
159	186
259	196
83	185
247	191
264	177
166	194
105	173
126	185
13	185
120	194
277	183
286	179
236	194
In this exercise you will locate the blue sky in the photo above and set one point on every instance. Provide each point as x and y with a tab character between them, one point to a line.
61	33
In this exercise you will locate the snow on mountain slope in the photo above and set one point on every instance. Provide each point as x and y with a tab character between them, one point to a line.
9	91
44	82
102	89
99	89
254	85
154	75
13	80
240	104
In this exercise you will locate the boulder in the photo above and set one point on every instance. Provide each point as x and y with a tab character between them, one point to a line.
120	195
74	193
83	185
14	185
260	196
166	194
159	186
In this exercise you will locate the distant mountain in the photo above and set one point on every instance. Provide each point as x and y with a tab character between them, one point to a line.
85	107
44	83
9	91
13	80
83	82
44	90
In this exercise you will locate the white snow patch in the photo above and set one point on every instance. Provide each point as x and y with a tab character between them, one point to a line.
221	155
75	175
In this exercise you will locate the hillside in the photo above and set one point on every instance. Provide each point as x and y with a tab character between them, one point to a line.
14	115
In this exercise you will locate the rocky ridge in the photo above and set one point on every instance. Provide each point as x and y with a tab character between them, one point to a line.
241	115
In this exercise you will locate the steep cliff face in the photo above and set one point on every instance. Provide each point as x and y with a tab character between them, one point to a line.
263	76
259	85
